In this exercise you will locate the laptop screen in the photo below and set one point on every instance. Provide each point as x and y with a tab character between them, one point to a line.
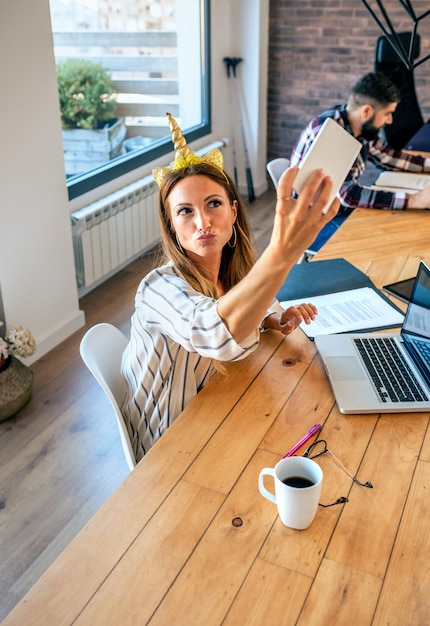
417	318
416	325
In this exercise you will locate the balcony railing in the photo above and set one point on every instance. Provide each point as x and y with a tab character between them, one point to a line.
143	67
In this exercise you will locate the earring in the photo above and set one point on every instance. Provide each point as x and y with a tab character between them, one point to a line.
179	244
234	235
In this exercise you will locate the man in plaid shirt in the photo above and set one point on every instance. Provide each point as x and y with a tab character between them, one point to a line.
371	105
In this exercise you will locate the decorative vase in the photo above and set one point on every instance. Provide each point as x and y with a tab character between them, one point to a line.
16	381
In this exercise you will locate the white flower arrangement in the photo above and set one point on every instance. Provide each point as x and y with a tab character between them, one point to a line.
18	341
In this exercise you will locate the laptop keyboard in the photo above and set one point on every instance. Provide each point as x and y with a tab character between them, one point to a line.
391	375
423	347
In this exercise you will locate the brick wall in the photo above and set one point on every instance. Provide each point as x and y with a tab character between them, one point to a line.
317	49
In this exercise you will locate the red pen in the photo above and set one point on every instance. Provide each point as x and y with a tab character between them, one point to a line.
312	431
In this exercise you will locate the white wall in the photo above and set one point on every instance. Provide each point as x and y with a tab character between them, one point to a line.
250	28
36	258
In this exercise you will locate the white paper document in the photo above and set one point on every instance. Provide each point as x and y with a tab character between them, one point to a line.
409	182
347	311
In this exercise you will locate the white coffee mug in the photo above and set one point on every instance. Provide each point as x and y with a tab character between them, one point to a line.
298	482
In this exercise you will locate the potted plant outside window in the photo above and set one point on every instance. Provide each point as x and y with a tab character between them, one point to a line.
92	135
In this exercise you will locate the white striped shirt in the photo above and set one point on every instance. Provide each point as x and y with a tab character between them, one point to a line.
175	333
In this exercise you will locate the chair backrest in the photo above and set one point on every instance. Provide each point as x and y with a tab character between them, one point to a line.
101	350
276	168
386	53
408	118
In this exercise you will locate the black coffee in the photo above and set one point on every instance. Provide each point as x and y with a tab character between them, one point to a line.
299	482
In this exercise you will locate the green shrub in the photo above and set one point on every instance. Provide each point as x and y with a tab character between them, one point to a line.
86	92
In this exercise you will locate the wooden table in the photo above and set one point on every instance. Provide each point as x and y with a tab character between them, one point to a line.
188	539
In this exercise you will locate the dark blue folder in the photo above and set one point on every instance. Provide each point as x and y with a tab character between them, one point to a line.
318	278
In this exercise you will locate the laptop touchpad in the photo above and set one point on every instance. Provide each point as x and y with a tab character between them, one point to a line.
344	368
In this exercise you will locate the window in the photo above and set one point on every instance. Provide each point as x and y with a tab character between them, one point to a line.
157	55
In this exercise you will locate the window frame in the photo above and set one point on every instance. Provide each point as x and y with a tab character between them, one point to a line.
80	184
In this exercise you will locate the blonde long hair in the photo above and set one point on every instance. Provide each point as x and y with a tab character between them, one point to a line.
235	261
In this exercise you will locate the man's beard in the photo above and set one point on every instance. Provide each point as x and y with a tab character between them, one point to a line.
369	131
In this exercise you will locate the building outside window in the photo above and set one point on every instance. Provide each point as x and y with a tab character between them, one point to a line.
157	54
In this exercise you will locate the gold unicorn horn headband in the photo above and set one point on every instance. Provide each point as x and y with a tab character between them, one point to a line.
183	155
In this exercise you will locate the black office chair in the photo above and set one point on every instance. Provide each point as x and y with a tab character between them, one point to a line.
408	118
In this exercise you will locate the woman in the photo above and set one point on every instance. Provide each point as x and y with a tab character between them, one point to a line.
211	299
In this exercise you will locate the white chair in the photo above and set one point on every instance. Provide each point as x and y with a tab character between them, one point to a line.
101	350
276	168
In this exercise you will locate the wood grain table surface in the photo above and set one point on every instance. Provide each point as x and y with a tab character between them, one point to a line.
188	539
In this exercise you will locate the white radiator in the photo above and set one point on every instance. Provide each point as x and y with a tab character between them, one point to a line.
111	232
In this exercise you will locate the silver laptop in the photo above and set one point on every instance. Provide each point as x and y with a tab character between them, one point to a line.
384	373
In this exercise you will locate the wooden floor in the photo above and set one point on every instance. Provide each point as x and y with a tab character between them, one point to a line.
61	456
